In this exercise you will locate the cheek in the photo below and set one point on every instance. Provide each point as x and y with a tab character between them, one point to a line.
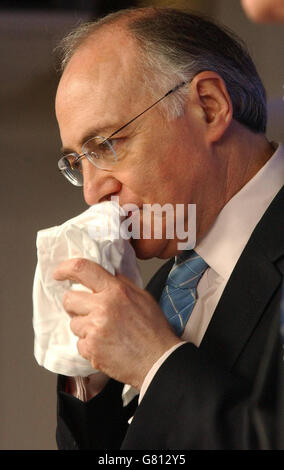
158	173
142	176
156	184
141	185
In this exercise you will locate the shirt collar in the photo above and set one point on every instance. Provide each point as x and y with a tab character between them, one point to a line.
223	244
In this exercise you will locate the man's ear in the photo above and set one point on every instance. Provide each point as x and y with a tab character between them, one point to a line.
208	90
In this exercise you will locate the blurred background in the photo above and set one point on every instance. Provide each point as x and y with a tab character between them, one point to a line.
35	196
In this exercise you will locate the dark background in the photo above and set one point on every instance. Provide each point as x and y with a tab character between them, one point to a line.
34	196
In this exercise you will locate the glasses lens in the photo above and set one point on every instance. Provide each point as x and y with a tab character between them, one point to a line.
71	168
100	152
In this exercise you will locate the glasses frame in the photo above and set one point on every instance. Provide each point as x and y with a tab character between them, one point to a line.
84	154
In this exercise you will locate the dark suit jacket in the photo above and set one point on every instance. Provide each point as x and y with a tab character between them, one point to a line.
222	395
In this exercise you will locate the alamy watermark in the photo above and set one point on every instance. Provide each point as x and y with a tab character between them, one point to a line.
151	221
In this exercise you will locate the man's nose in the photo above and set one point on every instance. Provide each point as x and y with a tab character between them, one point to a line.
98	184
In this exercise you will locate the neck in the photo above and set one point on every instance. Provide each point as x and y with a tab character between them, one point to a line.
239	156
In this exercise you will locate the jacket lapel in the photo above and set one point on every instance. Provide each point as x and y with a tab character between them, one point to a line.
247	294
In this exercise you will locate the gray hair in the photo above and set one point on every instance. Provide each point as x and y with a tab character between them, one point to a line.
174	46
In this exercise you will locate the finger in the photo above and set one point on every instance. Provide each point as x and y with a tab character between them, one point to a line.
82	348
85	272
78	303
79	326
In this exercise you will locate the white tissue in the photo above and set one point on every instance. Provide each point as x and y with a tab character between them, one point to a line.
55	345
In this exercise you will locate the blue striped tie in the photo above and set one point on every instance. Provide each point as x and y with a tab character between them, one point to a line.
179	294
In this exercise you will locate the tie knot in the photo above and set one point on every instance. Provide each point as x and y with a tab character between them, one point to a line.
187	270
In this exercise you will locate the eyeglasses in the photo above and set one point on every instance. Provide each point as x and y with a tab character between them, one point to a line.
98	150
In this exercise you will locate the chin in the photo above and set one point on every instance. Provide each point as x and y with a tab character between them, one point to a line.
146	249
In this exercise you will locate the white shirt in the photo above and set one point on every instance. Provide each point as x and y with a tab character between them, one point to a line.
222	247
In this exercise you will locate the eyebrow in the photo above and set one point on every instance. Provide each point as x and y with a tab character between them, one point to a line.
104	131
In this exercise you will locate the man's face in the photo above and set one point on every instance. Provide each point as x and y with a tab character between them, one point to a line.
160	161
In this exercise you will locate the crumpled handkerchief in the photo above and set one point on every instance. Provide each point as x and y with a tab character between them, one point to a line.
94	234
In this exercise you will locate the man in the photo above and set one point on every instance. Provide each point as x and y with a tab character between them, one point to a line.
264	10
184	113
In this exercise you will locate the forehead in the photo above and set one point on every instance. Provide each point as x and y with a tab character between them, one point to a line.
101	81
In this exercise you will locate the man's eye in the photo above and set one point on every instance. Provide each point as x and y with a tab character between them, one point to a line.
110	145
74	162
115	142
77	164
112	142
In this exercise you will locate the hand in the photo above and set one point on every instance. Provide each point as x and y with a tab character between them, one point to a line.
122	330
